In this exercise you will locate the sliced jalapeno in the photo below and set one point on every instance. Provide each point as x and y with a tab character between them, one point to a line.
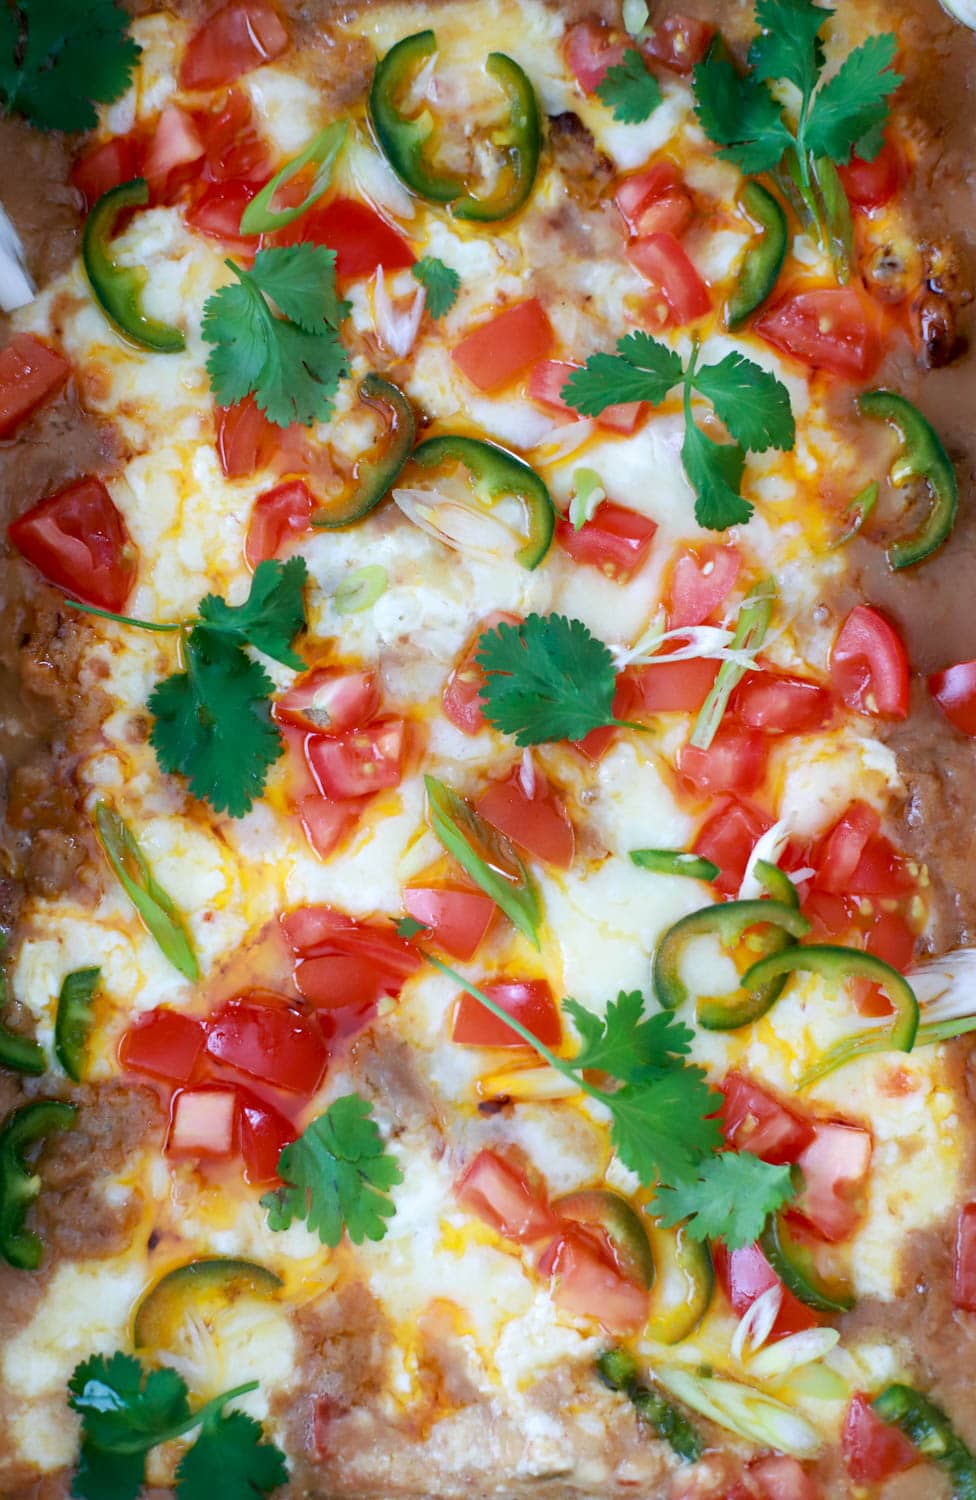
928	1428
20	1053
118	289
216	1281
373	480
764	258
497	474
602	1209
776	883
674	862
73	1022
922	457
795	1267
261	216
684	1283
19	1186
727	921
406	141
618	1370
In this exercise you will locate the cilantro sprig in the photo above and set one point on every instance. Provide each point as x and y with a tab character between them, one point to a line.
748	120
337	1176
212	720
291	364
59	58
441	283
629	90
730	1198
751	403
126	1412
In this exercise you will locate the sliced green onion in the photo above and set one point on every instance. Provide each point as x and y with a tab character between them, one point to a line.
674	862
857	512
154	906
501	875
635	14
360	590
260	216
744	1410
750	632
588	494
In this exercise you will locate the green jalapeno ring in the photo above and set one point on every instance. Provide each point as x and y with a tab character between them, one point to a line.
74	1018
675	862
19	1187
794	1266
618	1371
923	457
776	883
522	148
118	289
728	921
684	1283
496	473
375	480
764	257
929	1430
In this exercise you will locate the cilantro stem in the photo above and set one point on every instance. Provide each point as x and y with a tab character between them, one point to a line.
106	614
200	1418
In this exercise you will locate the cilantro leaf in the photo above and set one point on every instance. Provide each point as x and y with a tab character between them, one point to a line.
626	1044
790	45
117	1400
664	1125
408	927
58	58
230	1459
546	679
715	472
441	283
212	723
730	1198
752	403
855	101
629	90
337	1176
641	370
271	616
740	115
293	364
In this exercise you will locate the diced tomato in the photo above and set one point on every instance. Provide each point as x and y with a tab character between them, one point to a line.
728	837
266	1037
325	823
777	1477
781	705
662	260
702	578
954	690
234	151
265	1133
628	701
246	440
329	700
591	50
535	819
360	238
855	859
616	541
217	213
871	184
498	351
30	374
163	1043
530	1001
654	201
676	687
458	919
343	961
461	698
363	761
588	1285
829	914
238	37
745	1274
755	1121
893	940
833	328
678	42
546	382
280	515
835	1167
78	540
735	761
106	166
964	1262
496	1191
869	665
203	1122
176	145
872	1450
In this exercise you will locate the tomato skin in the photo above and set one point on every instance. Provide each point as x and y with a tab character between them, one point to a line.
163	1043
588	1285
735	761
238	37
676	687
538	824
176	146
108	165
678	42
616	541
77	540
246	440
545	385
843	846
530	1001
365	760
954	690
280	515
755	1121
203	1122
494	1189
872	1450
342	961
361	239
728	837
264	1135
217	214
233	149
871	184
458	919
869	665
662	260
834	1166
461	698
329	700
780	704
654	201
702	578
325	823
832	328
591	51
31	372
964	1260
745	1274
497	352
264	1036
